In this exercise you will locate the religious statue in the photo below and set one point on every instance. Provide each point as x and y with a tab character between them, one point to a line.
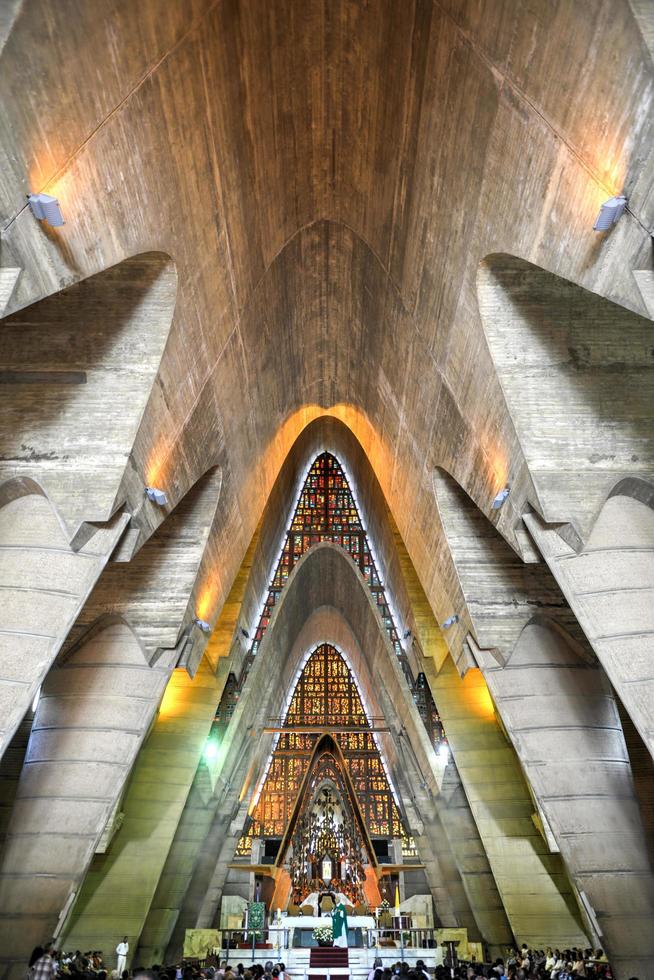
339	925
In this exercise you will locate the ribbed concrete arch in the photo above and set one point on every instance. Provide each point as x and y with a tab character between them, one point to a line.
431	797
93	713
98	703
394	176
558	349
563	720
43	585
558	707
326	580
77	370
610	586
166	584
327	433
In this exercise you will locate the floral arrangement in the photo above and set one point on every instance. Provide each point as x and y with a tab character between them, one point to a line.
323	934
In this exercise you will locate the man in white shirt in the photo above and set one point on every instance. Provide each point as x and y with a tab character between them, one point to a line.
122	949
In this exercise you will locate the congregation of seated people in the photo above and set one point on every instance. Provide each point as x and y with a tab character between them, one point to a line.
47	963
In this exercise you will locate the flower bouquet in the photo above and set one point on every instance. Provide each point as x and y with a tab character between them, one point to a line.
323	935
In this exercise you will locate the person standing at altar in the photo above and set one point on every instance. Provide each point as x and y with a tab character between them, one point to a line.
339	925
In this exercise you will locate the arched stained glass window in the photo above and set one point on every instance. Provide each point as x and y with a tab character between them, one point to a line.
326	698
326	511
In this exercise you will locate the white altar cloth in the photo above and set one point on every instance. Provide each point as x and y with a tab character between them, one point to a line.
292	922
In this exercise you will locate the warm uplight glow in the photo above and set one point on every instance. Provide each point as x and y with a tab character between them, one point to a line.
376	449
206	601
497	467
175	693
158	463
608	178
479	701
610	166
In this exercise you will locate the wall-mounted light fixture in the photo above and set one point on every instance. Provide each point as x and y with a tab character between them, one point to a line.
245	633
46	208
500	497
609	213
210	749
406	635
202	624
444	753
156	496
450	621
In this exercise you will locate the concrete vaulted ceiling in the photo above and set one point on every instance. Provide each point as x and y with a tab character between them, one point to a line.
326	181
326	600
311	190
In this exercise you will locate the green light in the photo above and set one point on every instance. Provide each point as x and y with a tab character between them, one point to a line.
211	749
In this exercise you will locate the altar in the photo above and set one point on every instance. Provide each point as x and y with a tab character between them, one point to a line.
296	931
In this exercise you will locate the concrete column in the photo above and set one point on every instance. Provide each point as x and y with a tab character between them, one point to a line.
43	586
93	713
564	723
119	886
610	588
471	858
193	827
532	882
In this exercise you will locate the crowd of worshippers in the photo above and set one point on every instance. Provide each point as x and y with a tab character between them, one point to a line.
537	964
47	963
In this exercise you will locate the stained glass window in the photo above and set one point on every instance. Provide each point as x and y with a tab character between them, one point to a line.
326	511
326	698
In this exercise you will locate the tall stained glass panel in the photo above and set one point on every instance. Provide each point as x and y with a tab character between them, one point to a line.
326	511
326	698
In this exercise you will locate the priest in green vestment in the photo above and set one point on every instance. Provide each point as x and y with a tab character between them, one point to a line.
339	925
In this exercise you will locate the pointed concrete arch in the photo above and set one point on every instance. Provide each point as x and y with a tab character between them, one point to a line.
577	375
77	370
558	707
326	743
92	716
96	708
326	599
609	584
43	585
325	621
325	434
164	586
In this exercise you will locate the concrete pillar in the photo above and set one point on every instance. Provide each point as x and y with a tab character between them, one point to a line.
119	886
93	713
565	725
44	585
609	585
193	827
471	858
532	882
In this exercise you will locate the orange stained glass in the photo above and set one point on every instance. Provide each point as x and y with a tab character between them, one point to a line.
326	697
326	511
